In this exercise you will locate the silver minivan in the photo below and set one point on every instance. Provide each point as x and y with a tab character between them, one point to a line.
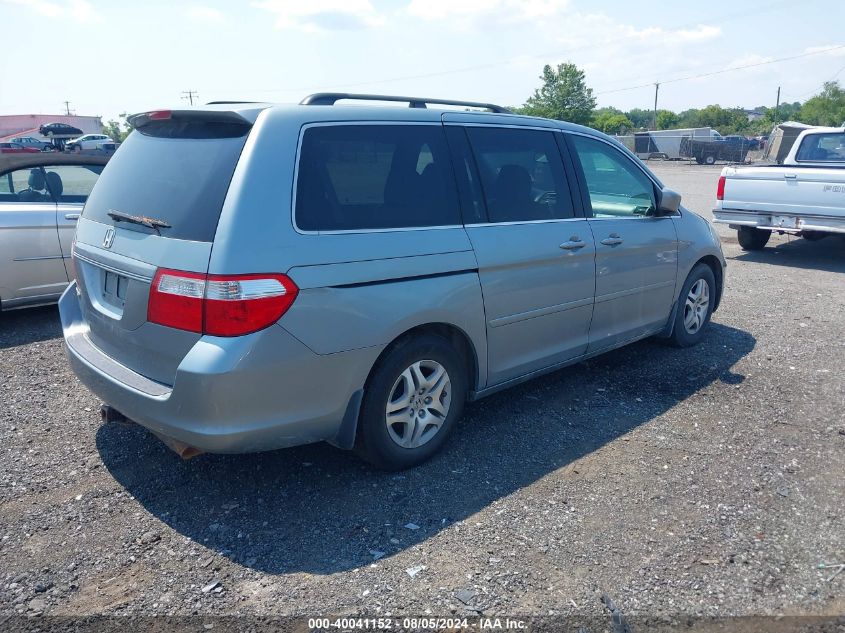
256	276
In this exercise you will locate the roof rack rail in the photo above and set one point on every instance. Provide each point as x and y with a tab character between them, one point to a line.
230	102
330	98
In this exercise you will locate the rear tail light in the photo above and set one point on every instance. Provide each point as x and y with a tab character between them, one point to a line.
720	189
220	305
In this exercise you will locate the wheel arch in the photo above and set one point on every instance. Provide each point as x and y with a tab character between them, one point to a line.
459	339
715	265
348	434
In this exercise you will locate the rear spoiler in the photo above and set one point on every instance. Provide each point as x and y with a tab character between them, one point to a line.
142	119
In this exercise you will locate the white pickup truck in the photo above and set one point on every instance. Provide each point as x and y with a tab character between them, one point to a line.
803	196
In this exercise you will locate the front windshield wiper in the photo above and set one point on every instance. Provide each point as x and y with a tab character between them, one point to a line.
150	223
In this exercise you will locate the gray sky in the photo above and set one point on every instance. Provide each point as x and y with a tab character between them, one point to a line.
107	56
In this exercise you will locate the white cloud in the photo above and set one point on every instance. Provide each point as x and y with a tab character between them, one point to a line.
701	33
204	14
77	10
503	10
322	15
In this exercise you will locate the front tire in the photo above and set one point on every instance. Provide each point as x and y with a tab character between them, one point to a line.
751	238
412	400
695	307
709	159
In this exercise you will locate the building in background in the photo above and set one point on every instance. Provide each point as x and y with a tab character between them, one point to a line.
28	124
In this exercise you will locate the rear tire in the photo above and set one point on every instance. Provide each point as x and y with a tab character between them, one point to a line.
751	238
709	159
695	307
407	386
814	236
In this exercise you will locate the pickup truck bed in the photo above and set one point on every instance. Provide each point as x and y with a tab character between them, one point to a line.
805	201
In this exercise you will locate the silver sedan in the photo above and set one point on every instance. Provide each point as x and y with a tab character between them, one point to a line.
41	198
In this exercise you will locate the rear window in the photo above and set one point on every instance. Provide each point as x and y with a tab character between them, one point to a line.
358	177
177	172
823	148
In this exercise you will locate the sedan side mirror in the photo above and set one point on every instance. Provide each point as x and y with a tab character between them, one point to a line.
668	202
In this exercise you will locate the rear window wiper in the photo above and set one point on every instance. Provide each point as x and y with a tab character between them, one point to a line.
150	223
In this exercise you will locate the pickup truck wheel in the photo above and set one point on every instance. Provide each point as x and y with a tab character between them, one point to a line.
814	236
751	238
709	159
695	305
413	399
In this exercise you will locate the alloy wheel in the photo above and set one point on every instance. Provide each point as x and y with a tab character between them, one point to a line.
418	404
696	306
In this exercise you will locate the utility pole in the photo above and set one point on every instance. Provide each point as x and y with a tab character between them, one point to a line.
777	106
654	119
67	107
190	95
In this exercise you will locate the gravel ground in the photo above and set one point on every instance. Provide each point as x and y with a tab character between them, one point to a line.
705	481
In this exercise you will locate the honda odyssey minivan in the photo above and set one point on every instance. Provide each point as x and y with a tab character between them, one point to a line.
257	276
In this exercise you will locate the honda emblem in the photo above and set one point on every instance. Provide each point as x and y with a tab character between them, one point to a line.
108	238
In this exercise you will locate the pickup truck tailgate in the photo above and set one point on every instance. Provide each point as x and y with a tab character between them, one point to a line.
794	191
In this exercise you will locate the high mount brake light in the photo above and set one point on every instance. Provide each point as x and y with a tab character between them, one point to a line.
219	305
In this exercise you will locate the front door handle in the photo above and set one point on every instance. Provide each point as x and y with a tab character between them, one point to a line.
573	244
71	216
612	240
791	176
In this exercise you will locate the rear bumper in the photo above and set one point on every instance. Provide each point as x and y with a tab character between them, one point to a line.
775	222
243	394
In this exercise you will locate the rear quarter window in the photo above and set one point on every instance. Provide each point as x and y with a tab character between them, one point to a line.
823	148
360	177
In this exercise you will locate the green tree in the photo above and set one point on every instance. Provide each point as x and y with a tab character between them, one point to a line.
826	108
689	118
564	95
639	117
724	120
117	130
667	120
611	121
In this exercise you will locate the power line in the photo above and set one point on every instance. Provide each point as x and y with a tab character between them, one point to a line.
724	70
490	65
814	90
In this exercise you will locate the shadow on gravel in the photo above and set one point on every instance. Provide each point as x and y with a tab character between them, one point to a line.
320	510
827	254
29	325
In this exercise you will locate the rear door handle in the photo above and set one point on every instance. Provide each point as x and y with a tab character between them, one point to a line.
791	176
573	244
612	240
71	216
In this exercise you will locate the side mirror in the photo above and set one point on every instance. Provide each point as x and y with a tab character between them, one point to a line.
668	202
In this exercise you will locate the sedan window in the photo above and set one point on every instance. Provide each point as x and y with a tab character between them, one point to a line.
24	185
72	183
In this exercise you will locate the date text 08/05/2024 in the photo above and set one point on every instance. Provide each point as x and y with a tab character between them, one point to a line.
423	623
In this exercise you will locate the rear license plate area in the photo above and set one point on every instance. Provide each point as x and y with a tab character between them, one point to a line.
114	289
784	222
